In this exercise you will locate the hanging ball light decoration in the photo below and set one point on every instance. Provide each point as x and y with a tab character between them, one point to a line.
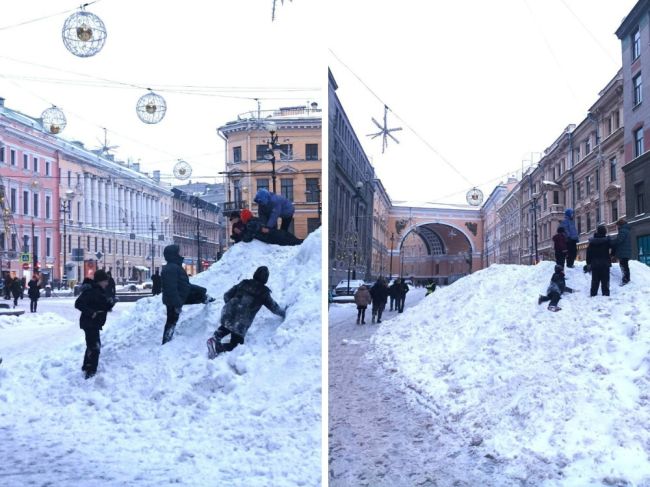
151	108
182	170
53	120
84	34
475	197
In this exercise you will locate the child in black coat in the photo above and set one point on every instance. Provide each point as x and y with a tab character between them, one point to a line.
555	289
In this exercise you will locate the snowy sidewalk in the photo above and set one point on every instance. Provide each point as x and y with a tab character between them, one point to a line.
376	437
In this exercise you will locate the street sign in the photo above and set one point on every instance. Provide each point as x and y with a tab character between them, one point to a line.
26	258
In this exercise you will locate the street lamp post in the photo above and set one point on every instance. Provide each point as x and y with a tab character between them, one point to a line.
270	152
65	209
390	260
199	267
357	196
153	249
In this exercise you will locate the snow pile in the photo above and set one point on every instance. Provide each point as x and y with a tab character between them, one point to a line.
160	415
543	398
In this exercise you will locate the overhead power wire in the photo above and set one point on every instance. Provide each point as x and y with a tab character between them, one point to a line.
45	17
406	124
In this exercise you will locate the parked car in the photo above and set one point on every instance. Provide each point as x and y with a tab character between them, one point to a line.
147	285
342	287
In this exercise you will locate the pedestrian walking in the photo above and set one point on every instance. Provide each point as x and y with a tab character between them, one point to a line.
571	233
379	294
400	295
392	294
23	286
560	246
111	289
33	293
623	248
555	289
94	303
16	290
599	260
243	301
362	299
156	284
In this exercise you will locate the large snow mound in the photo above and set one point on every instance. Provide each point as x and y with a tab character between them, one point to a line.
542	398
161	415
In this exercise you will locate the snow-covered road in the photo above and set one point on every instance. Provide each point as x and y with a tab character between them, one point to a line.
376	436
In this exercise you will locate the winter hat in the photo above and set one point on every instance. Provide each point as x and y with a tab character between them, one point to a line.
261	274
621	221
233	215
246	215
100	276
262	197
559	268
601	231
560	229
568	212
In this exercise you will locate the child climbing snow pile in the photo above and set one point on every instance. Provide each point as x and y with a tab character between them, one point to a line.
555	289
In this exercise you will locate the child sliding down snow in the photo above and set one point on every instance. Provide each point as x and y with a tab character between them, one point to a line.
243	301
555	289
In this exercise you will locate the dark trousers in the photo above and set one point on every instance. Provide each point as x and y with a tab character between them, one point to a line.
285	223
170	324
600	277
559	257
93	347
16	301
625	267
361	314
32	305
401	300
235	339
392	303
553	297
572	251
378	309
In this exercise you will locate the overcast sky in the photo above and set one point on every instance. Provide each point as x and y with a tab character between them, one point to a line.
150	43
484	83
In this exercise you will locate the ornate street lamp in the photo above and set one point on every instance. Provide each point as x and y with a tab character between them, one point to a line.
66	210
271	126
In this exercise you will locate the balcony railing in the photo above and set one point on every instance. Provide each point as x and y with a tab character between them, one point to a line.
234	205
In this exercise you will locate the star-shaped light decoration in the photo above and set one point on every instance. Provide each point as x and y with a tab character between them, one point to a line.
384	131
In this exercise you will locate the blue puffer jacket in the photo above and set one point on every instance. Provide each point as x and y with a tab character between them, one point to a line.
623	242
272	206
569	225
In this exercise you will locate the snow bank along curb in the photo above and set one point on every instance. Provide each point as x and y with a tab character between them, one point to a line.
559	397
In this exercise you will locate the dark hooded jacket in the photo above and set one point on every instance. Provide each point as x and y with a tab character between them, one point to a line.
379	292
558	284
33	292
174	280
16	288
598	256
93	299
569	225
272	206
243	301
623	242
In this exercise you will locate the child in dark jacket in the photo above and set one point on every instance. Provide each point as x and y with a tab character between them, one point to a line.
243	301
93	302
555	289
560	246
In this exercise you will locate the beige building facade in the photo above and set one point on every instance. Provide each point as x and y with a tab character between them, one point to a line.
297	149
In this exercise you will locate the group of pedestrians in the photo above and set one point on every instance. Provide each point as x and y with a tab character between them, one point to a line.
378	295
601	250
242	301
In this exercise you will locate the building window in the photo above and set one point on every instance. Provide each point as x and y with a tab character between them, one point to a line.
96	248
617	120
47	168
588	145
636	44
110	242
614	210
286	152
312	190
14	242
25	202
103	249
579	224
597	214
556	197
545	201
35	164
12	154
35	204
12	200
88	243
260	150
48	247
2	155
262	183
638	142
588	221
588	185
236	154
69	178
25	161
286	187
578	193
612	169
637	89
638	196
311	152
312	224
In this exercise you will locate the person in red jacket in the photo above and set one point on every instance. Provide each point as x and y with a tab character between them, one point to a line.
560	246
